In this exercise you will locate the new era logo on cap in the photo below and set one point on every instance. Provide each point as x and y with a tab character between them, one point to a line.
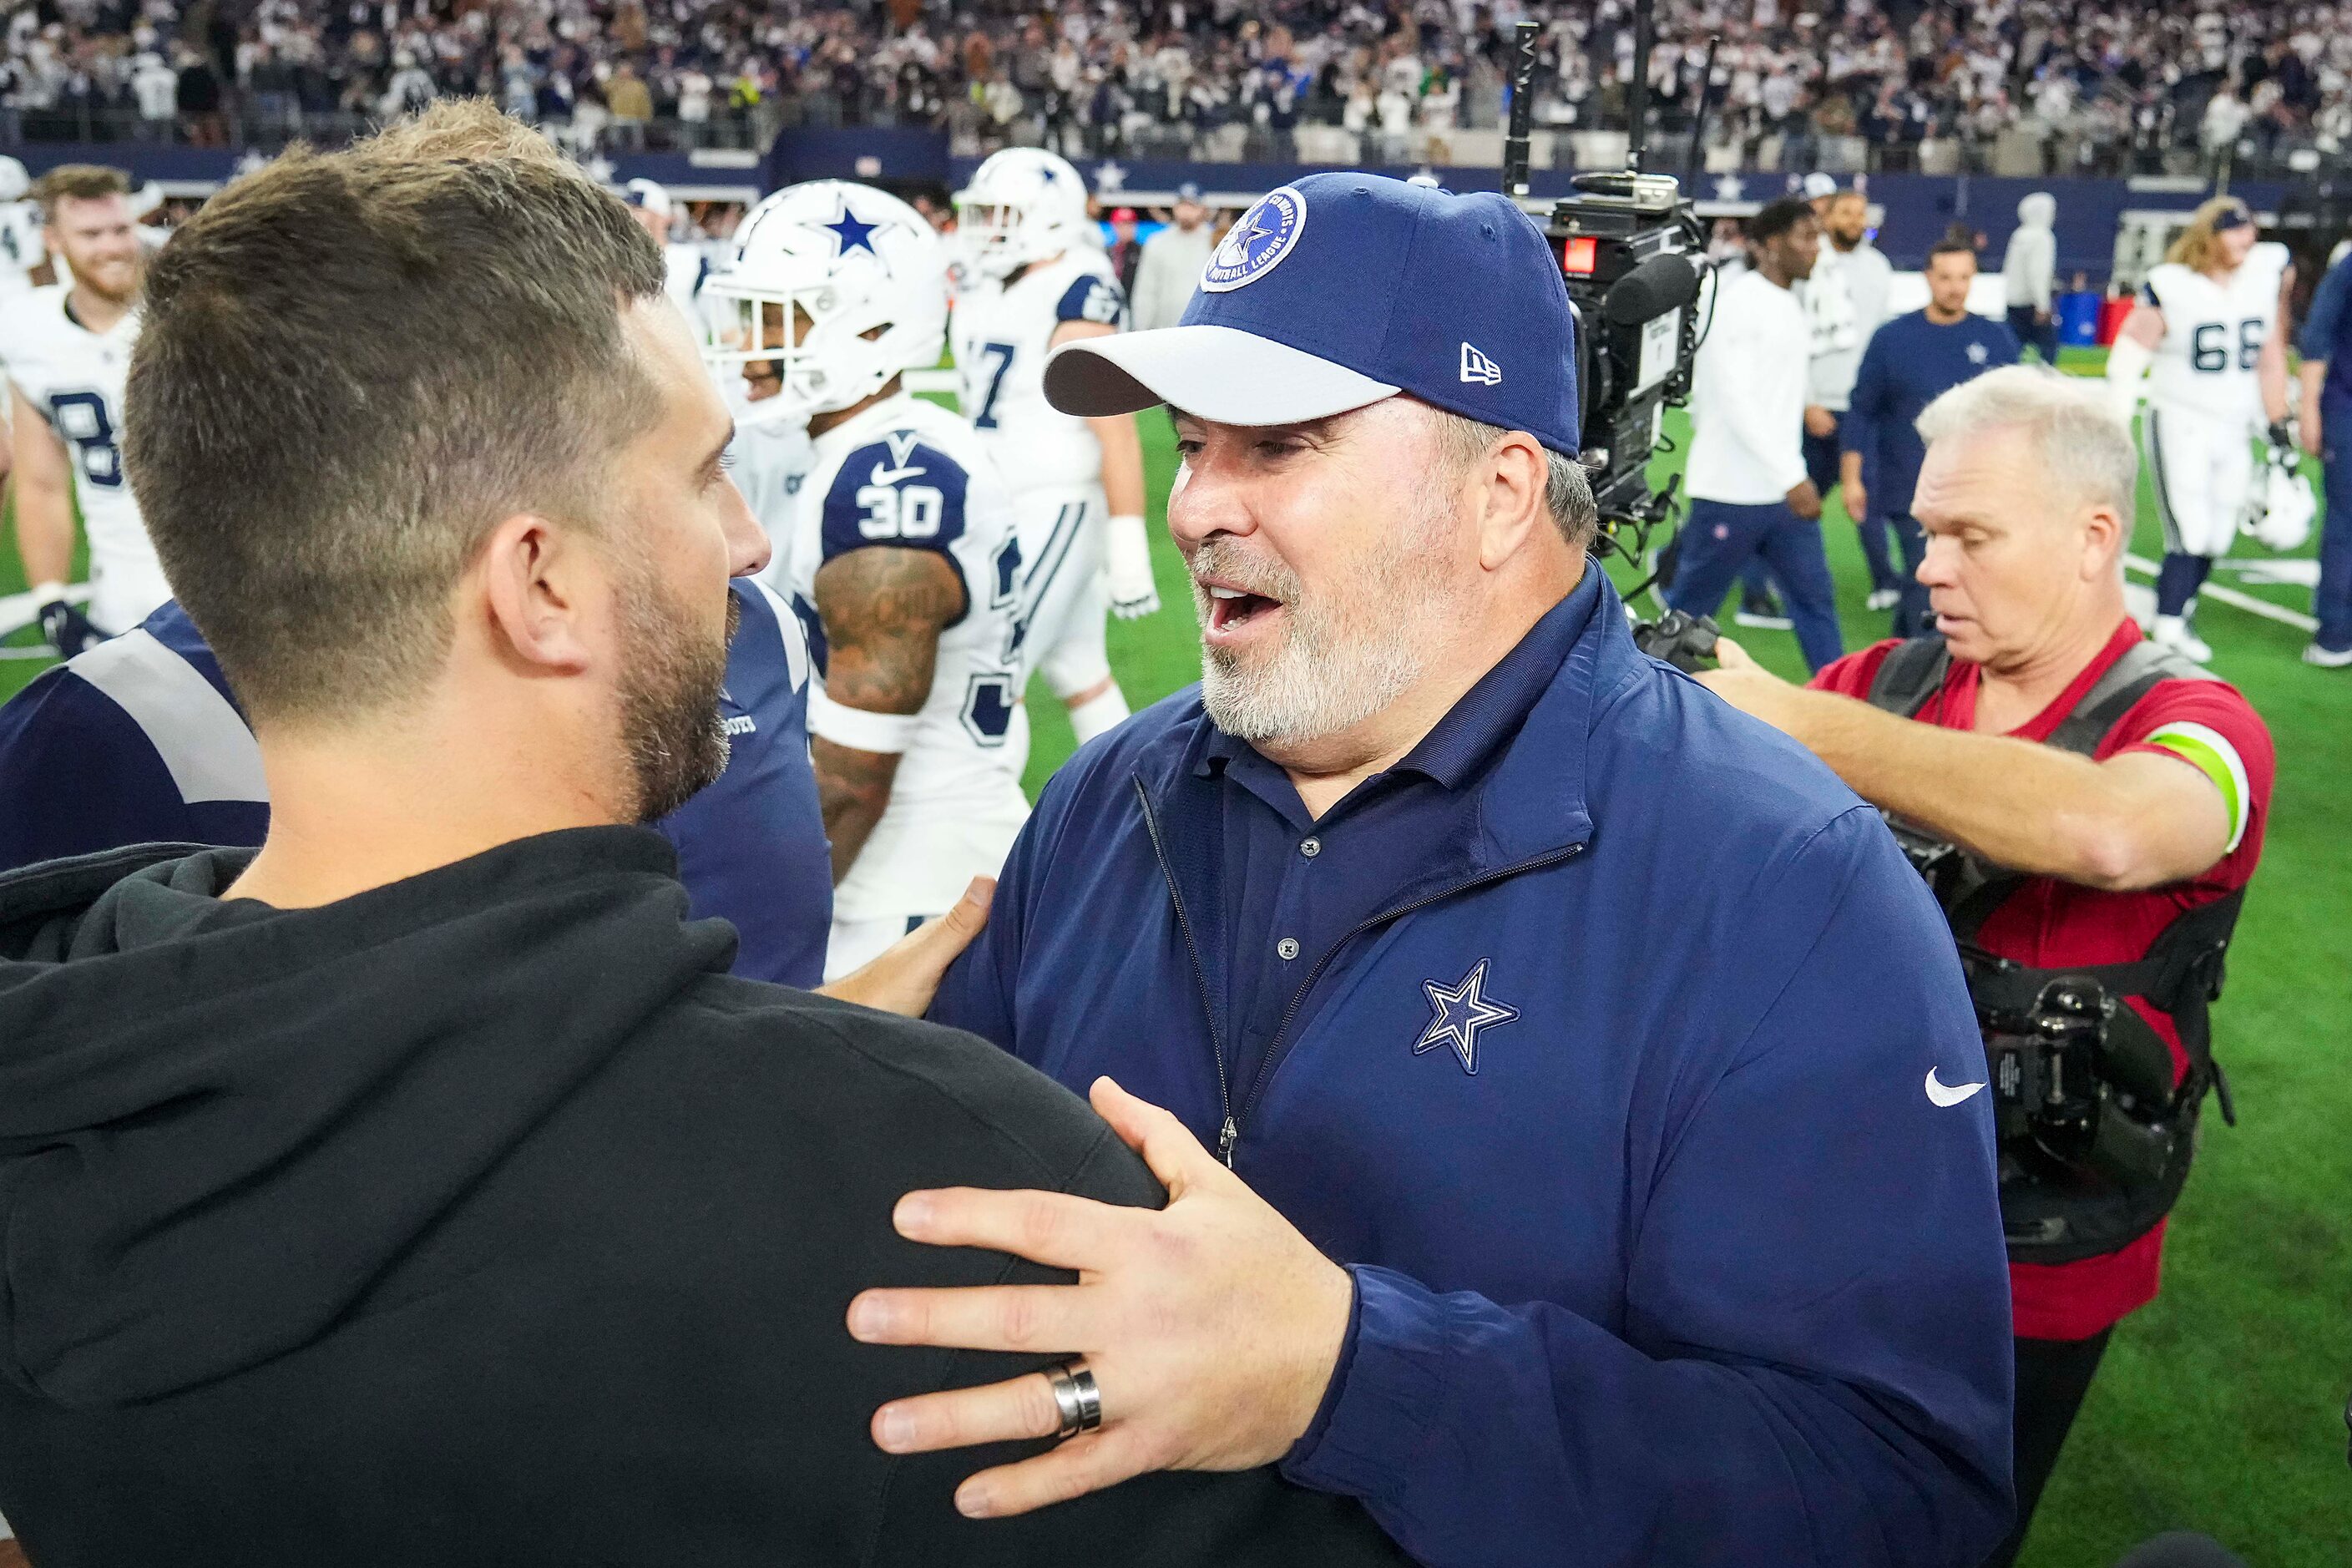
1339	289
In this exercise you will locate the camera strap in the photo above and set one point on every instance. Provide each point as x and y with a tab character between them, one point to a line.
2183	972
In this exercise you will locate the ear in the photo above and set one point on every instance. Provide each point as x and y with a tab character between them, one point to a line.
2104	531
540	586
1511	483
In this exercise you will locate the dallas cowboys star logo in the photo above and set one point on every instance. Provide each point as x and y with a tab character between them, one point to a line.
1976	354
1461	1011
1110	176
851	235
1242	245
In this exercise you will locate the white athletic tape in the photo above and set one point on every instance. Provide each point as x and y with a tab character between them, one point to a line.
884	734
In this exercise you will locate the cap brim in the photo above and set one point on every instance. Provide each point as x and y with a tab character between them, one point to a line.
1221	375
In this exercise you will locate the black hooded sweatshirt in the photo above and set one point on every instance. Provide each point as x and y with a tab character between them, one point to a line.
485	1218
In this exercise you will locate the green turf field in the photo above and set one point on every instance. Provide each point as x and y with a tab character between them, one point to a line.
2220	1407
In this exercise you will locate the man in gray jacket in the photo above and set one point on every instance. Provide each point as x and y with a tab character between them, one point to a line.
2030	271
1172	264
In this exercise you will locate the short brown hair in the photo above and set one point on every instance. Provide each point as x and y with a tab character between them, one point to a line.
81	182
352	365
1950	246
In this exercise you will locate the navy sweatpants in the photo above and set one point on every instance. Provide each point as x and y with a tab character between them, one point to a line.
1718	540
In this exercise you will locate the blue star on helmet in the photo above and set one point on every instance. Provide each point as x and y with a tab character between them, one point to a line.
1461	1011
850	235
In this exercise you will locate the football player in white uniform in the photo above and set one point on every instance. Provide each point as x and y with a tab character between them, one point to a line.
1038	282
899	553
2206	333
67	348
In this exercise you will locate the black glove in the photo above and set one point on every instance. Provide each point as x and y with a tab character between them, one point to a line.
2282	439
66	629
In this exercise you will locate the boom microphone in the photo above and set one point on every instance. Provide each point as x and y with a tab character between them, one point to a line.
1666	281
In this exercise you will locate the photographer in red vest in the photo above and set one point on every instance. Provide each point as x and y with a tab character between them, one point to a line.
2089	808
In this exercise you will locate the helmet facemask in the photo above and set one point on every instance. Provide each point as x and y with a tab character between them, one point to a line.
815	339
996	236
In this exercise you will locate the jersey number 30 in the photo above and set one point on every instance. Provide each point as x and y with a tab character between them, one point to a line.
80	417
2209	346
900	511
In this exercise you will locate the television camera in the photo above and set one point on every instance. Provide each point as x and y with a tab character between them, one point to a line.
1633	252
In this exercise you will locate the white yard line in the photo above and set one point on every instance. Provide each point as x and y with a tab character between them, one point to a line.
2234	599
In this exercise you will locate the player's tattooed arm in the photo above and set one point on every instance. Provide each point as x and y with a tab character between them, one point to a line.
883	610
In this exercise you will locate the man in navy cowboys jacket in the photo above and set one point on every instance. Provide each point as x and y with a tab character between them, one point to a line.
1605	1176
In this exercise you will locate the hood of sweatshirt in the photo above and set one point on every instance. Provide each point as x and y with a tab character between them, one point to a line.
209	1108
2038	210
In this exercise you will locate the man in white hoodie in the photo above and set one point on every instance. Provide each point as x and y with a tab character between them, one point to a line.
2030	269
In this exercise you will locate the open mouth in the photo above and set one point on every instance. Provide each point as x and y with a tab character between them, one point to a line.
1231	608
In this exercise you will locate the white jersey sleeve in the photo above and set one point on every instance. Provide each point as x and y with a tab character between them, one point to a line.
1003	335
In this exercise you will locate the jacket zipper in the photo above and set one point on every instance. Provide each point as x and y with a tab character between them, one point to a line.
1230	1132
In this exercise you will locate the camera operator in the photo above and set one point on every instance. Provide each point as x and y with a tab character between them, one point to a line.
2104	800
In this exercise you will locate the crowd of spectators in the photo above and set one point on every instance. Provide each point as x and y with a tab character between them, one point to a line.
2095	84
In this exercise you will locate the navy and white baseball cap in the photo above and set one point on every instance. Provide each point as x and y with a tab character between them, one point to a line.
1341	289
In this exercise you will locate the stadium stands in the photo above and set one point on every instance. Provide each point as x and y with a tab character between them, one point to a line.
2018	87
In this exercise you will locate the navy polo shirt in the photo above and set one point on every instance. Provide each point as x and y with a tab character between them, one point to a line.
1910	362
1295	885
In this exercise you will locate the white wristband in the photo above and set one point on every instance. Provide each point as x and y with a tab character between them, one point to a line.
884	734
1127	520
47	593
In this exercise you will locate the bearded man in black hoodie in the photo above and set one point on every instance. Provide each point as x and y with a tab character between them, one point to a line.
420	1188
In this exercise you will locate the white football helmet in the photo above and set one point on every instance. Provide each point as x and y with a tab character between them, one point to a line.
839	286
1024	204
13	181
2283	507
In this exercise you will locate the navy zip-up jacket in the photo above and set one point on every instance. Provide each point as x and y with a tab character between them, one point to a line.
1703	1262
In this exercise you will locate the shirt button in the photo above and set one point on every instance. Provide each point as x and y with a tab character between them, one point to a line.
1287	947
1311	847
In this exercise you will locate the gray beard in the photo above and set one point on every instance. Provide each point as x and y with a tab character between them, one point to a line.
1345	654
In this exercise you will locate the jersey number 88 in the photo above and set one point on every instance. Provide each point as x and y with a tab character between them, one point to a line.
80	417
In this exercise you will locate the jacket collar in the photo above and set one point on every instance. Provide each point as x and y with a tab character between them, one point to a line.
1530	799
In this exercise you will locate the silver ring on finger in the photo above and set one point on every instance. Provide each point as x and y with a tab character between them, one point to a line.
1076	1397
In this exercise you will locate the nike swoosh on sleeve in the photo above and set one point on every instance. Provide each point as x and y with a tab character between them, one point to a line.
1942	1094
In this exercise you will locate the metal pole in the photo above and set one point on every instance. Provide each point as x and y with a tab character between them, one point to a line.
1637	93
1523	110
